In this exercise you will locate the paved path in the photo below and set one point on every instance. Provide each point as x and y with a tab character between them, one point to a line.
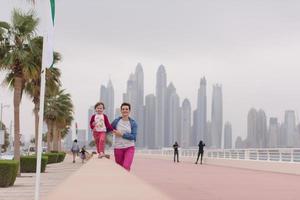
185	180
24	186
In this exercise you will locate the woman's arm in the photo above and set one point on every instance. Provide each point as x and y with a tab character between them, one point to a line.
132	135
109	127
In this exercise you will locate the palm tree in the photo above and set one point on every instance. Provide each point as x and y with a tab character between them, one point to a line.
15	53
32	87
58	115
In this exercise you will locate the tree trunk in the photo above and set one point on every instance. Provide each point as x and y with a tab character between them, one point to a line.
50	130
59	140
36	127
55	137
17	100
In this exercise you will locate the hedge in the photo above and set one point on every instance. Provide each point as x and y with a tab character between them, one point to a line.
61	156
28	164
8	172
52	157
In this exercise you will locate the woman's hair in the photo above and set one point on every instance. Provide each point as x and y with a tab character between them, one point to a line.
98	104
75	140
126	104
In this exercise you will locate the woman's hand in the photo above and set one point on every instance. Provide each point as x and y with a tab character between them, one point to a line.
117	133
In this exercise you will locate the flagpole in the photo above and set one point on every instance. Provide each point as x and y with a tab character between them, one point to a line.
41	111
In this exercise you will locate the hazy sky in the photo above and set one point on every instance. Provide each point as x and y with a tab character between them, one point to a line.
251	47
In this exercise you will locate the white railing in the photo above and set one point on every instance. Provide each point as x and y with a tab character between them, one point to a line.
274	154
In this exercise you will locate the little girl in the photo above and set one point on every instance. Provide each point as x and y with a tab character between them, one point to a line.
83	154
100	125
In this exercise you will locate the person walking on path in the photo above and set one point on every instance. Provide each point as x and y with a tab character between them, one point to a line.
200	151
125	137
100	125
176	153
75	150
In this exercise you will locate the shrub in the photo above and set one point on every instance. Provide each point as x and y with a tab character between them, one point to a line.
61	156
8	172
52	157
28	164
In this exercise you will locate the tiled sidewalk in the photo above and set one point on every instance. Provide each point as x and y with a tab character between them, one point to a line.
24	186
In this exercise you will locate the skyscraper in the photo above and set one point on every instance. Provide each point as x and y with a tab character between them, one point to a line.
227	136
200	127
175	119
274	130
168	133
290	127
261	129
161	87
251	128
139	74
150	106
217	116
257	129
135	96
186	129
107	97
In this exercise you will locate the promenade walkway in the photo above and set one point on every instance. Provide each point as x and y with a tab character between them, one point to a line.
185	180
24	186
155	178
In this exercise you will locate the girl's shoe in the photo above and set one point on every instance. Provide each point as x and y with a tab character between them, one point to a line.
107	156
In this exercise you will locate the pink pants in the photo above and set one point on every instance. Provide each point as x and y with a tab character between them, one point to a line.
99	141
124	157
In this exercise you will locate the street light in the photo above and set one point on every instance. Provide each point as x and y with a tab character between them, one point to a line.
1	110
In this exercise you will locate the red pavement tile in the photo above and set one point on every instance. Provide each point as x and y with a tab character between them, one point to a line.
187	181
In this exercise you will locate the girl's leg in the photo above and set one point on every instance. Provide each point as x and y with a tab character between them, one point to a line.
119	156
96	137
101	143
128	158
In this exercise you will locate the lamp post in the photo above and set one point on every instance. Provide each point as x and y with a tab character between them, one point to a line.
1	110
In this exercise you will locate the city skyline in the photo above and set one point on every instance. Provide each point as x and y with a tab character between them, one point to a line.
234	43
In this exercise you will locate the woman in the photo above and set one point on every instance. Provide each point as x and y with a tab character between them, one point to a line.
125	137
75	149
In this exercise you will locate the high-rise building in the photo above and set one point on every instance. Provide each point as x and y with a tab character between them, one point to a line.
107	97
290	127
274	130
262	129
257	129
81	137
186	129
194	141
161	87
68	141
150	106
251	128
217	116
227	136
169	133
135	96
239	143
208	143
139	73
200	126
175	125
